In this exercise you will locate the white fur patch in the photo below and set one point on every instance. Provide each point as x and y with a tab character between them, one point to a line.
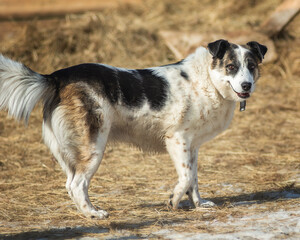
20	89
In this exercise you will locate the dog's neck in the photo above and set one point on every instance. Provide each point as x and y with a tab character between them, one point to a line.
199	64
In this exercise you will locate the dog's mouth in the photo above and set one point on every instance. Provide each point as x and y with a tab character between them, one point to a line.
243	95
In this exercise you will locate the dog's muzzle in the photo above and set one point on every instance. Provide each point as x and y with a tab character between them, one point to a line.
246	93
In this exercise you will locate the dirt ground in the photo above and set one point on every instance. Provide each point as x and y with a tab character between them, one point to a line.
252	170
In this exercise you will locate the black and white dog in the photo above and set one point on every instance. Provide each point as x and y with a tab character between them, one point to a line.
173	108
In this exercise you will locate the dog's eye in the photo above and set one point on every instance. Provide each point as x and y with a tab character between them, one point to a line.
231	67
251	66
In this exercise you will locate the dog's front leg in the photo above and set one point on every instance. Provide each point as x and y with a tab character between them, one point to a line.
193	191
182	155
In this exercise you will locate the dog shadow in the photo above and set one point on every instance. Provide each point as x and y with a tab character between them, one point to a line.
281	194
69	233
97	231
81	232
258	197
62	233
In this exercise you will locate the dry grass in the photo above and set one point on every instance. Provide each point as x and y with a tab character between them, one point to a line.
259	154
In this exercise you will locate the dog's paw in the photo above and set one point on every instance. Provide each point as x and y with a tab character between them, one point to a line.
99	214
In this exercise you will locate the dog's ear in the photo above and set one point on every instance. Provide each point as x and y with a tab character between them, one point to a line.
218	48
258	50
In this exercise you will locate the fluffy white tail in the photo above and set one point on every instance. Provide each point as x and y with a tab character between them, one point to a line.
20	88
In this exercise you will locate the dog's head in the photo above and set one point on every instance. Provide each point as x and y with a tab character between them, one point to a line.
234	68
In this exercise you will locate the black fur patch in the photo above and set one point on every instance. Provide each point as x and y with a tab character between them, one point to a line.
251	60
218	48
54	100
184	75
128	87
103	79
131	88
257	49
155	88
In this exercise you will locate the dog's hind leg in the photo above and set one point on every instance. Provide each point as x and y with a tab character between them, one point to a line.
76	131
79	164
85	168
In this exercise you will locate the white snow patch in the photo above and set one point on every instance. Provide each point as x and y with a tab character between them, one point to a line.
263	226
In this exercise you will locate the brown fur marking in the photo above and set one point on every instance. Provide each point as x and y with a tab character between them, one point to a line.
81	121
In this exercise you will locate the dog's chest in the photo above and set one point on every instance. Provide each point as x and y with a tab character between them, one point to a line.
206	121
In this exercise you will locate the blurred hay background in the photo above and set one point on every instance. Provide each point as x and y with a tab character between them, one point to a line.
257	155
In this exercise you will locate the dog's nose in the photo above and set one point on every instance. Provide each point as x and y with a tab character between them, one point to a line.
246	86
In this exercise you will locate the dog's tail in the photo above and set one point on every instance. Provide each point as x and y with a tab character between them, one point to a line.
21	88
